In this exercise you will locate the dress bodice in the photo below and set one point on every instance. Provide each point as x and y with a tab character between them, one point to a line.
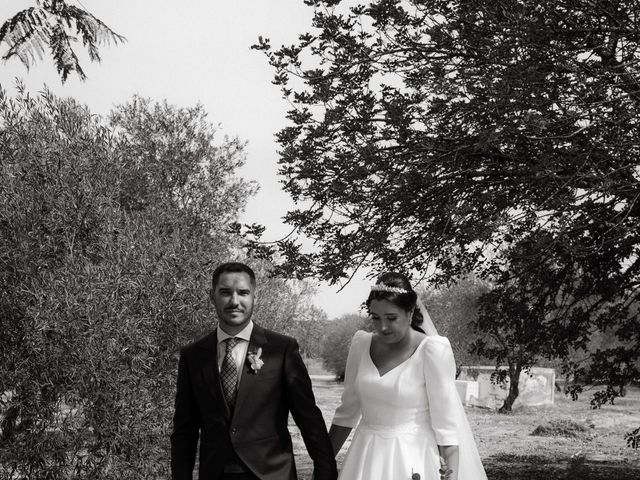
421	389
398	397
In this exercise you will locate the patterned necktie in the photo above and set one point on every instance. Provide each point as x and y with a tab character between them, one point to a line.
229	372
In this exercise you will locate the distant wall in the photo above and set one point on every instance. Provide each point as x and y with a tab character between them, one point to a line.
537	387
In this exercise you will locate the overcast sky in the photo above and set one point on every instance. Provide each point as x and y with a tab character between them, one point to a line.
192	52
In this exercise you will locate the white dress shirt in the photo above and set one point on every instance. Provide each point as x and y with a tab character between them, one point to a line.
239	352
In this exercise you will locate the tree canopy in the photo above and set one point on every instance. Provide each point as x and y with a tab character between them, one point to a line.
474	136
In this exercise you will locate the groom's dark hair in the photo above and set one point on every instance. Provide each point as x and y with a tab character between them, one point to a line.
232	267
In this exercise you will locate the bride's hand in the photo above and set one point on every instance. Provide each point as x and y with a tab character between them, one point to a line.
445	472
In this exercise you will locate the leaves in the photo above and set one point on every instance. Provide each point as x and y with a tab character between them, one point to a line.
109	229
633	438
52	25
500	139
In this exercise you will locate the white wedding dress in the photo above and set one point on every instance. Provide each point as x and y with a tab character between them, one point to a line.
403	415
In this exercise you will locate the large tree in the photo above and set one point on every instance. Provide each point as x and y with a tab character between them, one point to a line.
469	135
54	25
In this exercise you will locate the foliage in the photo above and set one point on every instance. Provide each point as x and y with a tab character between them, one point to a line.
310	332
500	138
453	310
285	305
525	316
337	339
109	232
633	438
53	25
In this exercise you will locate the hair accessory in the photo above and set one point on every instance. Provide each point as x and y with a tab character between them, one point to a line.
381	287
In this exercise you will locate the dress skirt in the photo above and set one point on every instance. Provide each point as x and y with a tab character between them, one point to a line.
392	452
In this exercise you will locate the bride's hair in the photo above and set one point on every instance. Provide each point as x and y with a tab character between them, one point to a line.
405	300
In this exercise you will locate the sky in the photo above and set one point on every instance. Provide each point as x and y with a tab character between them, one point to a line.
189	52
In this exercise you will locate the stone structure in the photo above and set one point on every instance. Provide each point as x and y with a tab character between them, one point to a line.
537	387
468	390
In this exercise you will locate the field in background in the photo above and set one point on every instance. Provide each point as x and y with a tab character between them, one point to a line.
508	449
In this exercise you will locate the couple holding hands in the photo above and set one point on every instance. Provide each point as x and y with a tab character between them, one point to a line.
237	386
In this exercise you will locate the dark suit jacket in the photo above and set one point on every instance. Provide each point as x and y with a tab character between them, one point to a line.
257	429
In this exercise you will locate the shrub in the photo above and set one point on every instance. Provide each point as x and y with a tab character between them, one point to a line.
560	428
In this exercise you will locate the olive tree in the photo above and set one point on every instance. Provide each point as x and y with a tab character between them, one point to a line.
110	229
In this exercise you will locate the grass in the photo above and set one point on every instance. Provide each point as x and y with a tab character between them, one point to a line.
562	427
571	440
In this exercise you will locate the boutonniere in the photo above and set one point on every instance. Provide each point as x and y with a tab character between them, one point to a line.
255	361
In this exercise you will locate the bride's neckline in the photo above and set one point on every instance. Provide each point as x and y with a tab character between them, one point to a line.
381	375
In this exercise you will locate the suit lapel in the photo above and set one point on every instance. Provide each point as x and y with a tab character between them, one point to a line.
248	377
211	372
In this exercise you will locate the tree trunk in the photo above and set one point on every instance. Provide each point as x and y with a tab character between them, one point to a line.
514	391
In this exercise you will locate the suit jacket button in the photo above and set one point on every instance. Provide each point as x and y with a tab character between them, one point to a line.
234	430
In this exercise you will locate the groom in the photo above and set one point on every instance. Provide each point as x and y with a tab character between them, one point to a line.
235	390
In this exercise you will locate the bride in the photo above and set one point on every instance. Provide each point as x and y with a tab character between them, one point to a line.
400	395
